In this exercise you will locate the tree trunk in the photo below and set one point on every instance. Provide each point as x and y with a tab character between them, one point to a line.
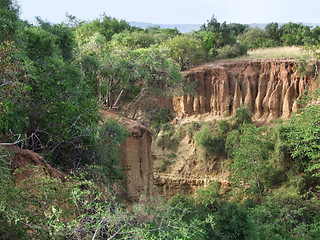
116	103
136	100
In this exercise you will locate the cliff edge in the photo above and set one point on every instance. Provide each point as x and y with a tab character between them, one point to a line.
269	88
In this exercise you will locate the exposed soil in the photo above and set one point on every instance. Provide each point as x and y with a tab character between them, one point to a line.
25	161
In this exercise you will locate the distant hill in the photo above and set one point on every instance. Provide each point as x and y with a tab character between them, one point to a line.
263	25
185	28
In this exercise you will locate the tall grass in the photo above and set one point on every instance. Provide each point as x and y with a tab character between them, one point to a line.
278	52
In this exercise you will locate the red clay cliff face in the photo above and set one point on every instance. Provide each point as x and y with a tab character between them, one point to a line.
268	87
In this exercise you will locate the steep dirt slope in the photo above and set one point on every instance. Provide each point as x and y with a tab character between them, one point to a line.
268	87
185	167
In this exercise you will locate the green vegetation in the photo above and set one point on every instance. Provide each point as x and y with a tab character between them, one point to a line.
275	177
54	78
274	35
212	142
79	209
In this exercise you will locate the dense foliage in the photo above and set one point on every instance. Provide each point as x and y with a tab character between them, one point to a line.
275	35
54	78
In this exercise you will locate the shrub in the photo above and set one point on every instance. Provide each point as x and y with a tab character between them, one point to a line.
164	165
231	51
242	116
305	68
44	208
285	214
256	38
180	133
232	221
193	127
209	194
167	139
211	142
232	141
112	135
223	126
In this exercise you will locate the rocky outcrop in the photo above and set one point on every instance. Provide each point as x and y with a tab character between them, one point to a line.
136	158
268	87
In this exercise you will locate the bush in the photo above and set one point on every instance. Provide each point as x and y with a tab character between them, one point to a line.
242	116
14	90
211	142
223	126
9	21
232	221
285	214
193	127
44	208
231	51
209	194
159	117
256	38
232	142
112	135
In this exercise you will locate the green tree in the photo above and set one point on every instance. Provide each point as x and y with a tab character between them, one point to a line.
232	221
256	38
62	112
64	38
9	19
90	68
106	26
14	90
139	73
294	33
39	44
185	50
207	39
212	25
303	136
250	156
273	32
224	33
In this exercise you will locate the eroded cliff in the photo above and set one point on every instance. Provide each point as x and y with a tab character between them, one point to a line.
268	87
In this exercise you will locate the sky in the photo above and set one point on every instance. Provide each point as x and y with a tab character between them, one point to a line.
175	11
